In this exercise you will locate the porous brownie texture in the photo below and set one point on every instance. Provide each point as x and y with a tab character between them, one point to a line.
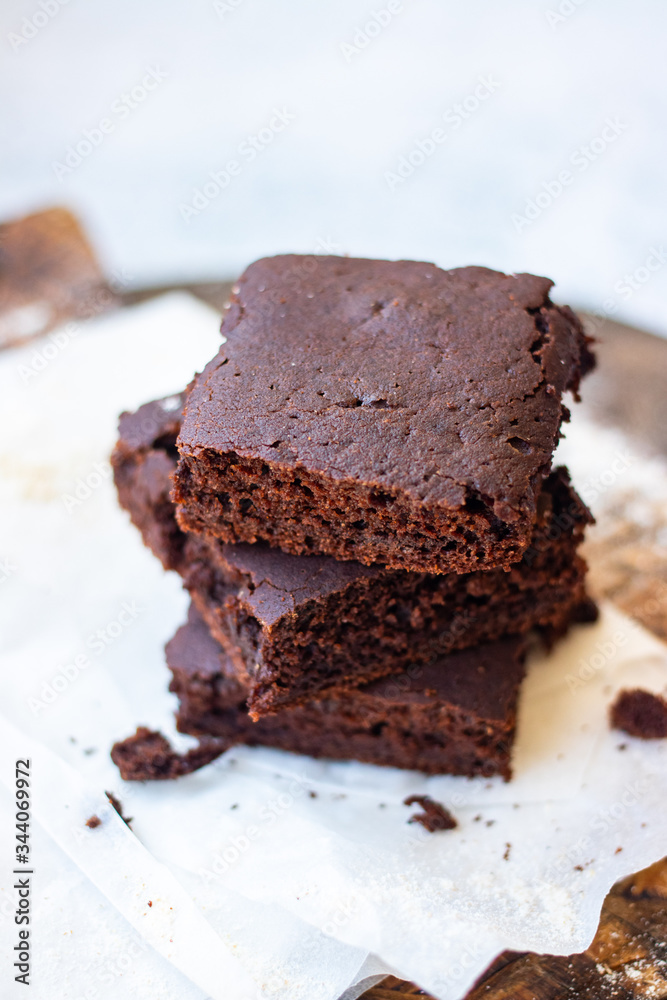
455	716
380	411
297	625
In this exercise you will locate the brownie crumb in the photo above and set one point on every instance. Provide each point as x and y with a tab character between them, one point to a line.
506	855
640	713
148	756
93	821
127	820
434	817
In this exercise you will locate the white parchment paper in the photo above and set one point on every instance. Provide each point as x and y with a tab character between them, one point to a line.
270	874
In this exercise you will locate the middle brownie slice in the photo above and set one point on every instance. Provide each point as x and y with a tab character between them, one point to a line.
295	626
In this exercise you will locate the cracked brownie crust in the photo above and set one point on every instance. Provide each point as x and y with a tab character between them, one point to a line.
455	716
381	412
297	625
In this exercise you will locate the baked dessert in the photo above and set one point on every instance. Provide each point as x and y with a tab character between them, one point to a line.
148	756
297	625
640	713
381	412
454	716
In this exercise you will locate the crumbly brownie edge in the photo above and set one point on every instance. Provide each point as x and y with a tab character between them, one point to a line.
244	499
377	724
289	668
376	625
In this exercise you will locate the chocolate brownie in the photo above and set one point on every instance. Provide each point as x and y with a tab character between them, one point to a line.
640	713
296	625
454	716
148	756
143	462
380	411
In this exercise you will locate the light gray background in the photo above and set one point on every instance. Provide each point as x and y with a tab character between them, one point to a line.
322	180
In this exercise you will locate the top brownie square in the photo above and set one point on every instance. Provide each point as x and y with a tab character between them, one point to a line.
382	411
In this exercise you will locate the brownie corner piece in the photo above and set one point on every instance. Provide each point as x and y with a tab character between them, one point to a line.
380	411
143	461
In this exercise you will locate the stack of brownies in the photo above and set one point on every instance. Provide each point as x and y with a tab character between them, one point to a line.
358	494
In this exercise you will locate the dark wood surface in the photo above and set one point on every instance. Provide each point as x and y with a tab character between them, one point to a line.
47	258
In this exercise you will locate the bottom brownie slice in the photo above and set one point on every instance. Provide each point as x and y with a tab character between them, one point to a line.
454	716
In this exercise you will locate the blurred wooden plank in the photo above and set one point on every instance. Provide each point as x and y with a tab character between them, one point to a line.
389	988
627	548
48	274
629	387
214	293
626	961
